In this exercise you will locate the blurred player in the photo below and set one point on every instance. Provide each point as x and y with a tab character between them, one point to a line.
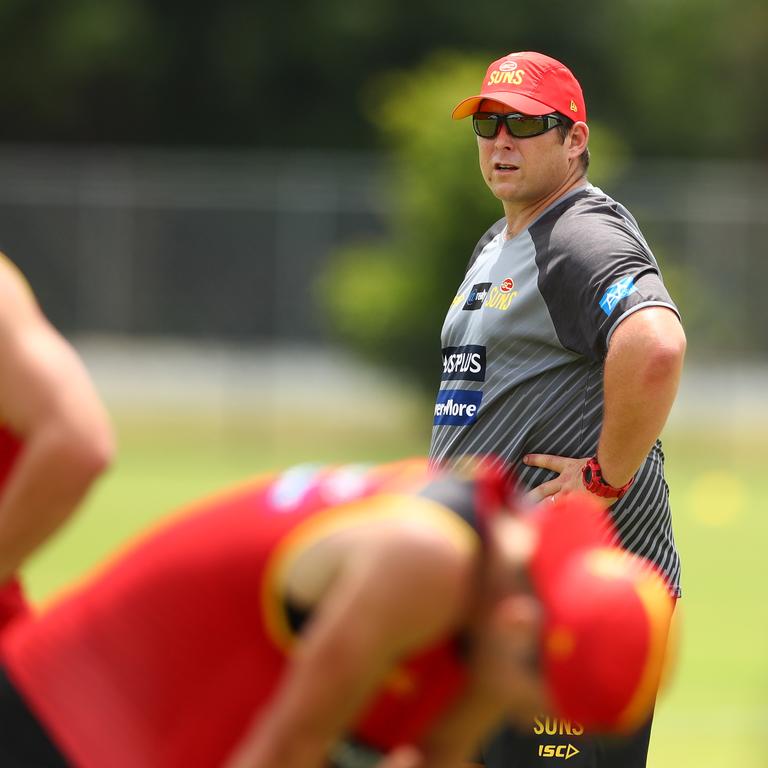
55	438
328	616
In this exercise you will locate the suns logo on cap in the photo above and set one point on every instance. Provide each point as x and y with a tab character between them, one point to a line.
509	76
508	66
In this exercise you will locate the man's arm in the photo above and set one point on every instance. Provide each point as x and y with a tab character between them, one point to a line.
642	373
392	597
462	728
49	403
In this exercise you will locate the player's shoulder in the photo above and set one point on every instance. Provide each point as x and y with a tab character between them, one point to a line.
588	228
592	215
11	276
15	292
486	239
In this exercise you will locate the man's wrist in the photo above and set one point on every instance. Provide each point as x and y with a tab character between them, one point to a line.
594	481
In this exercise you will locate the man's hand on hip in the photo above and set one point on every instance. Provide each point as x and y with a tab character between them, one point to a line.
569	478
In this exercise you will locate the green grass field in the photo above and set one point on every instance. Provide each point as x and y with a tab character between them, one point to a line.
716	710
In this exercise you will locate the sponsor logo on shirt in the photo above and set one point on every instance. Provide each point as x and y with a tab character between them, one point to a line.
293	485
552	726
457	407
335	486
618	291
563	751
477	296
490	296
345	483
464	363
500	299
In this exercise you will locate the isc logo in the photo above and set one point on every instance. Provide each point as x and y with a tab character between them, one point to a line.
564	751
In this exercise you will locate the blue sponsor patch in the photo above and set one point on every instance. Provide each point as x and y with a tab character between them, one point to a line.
477	296
618	291
457	407
291	487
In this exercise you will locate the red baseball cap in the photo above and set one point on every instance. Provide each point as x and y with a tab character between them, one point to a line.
606	622
531	83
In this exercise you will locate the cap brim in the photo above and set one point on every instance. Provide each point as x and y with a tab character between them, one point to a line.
514	101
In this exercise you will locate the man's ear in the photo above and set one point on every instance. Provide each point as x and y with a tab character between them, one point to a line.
579	138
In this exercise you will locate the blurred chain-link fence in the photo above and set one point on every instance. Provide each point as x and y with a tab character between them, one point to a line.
228	245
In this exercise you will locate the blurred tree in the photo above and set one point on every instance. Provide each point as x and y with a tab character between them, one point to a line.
388	299
675	77
686	74
77	70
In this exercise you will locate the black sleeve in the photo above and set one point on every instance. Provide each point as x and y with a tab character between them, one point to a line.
595	269
484	240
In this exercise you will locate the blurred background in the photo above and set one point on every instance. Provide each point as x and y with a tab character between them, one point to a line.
250	219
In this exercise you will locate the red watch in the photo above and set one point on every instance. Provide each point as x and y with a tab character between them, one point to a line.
592	477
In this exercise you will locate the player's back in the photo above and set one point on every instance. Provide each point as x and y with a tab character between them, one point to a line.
153	643
176	644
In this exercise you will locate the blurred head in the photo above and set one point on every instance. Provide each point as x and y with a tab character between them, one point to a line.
530	120
592	635
512	638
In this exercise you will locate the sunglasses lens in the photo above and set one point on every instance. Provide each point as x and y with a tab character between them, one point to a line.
486	126
525	127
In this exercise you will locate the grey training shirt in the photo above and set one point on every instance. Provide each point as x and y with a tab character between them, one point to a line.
524	343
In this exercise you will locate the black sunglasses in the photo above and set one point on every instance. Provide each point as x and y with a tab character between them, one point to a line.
488	124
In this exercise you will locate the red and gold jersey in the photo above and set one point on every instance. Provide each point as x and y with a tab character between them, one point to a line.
12	601
10	445
163	659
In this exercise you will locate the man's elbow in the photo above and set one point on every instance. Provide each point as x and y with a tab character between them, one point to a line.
664	359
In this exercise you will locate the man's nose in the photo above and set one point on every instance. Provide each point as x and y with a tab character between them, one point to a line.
504	138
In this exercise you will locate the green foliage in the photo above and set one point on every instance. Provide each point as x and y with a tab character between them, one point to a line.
680	78
388	299
686	75
67	65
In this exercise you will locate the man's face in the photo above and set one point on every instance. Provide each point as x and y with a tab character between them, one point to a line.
522	171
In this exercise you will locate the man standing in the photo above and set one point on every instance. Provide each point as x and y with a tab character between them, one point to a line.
55	437
562	349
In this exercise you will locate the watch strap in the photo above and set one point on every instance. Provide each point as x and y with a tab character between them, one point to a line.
592	477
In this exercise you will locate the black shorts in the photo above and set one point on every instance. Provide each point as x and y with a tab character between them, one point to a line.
23	741
551	742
